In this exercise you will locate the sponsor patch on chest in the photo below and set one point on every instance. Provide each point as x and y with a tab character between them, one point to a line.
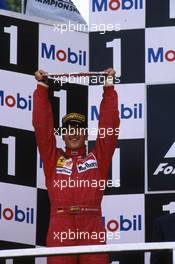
88	163
64	166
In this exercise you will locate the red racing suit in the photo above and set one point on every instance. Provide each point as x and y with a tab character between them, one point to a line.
85	226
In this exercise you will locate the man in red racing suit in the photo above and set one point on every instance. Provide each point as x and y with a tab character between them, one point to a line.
75	217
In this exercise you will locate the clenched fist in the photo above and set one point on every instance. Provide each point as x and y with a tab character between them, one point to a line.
39	76
110	77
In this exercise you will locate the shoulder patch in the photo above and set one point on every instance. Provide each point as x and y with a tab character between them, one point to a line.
64	165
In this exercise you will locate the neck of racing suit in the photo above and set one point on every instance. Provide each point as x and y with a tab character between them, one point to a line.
76	153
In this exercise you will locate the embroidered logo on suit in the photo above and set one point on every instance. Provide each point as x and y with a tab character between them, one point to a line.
88	163
64	166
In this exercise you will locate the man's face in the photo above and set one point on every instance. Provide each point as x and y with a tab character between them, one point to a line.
74	137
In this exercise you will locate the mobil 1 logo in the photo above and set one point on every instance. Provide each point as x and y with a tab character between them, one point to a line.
18	156
159	206
121	168
19	45
125	258
120	49
160	13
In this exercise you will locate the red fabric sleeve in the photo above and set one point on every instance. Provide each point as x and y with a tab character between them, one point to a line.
44	129
108	118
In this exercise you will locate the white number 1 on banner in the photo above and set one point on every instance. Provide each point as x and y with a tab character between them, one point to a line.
62	110
12	30
9	261
116	169
172	8
11	142
116	45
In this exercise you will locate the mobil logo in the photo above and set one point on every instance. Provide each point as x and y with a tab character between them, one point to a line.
126	112
134	223
15	101
115	5
68	55
16	214
160	54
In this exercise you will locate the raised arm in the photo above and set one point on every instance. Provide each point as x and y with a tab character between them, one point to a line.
109	123
43	124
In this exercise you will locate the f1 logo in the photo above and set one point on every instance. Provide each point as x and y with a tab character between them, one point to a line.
165	168
171	152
